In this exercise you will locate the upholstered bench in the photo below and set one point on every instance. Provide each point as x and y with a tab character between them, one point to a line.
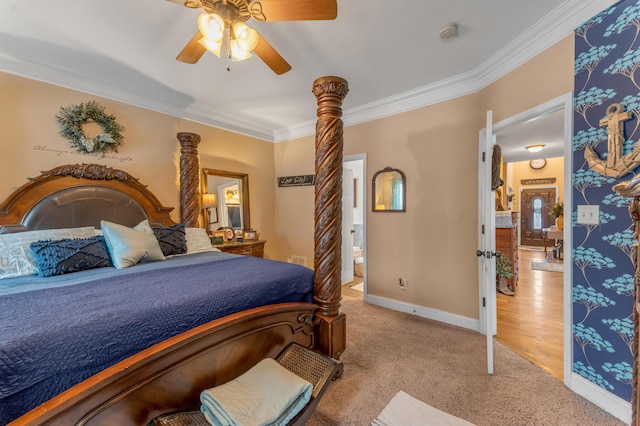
314	367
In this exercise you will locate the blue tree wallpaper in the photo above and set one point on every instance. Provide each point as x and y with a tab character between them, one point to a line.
607	56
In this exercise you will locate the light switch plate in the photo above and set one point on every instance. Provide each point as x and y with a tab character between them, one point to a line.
589	215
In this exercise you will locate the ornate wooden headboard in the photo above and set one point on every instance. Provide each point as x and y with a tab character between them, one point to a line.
80	195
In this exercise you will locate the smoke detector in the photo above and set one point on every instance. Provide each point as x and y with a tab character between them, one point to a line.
448	31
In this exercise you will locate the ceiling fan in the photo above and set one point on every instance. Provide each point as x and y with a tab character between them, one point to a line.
222	29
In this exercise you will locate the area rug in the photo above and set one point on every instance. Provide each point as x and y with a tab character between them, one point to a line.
405	410
546	266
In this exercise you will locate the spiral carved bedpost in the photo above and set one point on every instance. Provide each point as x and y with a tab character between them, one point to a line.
632	189
330	92
189	179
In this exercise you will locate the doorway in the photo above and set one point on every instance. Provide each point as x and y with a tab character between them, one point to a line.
514	152
354	230
535	208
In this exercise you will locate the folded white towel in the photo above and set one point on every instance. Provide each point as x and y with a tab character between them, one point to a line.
267	394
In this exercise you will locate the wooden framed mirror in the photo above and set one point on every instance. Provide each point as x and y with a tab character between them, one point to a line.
225	200
389	191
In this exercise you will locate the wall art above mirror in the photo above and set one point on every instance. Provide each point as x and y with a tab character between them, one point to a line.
225	200
389	191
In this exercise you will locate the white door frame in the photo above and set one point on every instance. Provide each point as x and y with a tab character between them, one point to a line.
362	198
347	265
564	102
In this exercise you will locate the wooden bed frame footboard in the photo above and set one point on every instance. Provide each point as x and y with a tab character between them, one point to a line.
170	375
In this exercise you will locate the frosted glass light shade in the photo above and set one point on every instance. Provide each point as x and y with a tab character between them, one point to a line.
212	46
211	26
535	148
246	36
238	54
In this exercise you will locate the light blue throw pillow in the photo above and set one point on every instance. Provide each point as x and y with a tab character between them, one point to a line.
129	246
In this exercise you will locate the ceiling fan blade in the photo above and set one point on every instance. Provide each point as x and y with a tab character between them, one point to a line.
193	51
293	10
271	57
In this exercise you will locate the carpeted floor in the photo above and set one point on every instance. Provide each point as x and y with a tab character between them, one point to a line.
444	366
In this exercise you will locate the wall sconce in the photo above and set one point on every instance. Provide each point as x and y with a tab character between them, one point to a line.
535	148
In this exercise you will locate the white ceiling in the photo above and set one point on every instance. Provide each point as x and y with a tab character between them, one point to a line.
388	51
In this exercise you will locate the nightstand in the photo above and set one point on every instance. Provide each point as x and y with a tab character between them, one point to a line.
247	248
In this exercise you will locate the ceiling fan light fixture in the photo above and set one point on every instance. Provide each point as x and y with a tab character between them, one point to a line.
211	26
237	52
535	148
212	46
246	36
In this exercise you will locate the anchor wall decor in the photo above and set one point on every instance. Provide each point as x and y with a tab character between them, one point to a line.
616	164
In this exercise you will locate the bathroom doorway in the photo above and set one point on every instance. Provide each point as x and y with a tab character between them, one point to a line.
355	237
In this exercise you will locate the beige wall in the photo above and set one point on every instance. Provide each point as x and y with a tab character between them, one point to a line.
433	244
150	151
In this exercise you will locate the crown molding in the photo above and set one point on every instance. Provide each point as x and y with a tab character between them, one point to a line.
557	25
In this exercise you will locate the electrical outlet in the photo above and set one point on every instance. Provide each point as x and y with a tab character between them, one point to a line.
402	282
589	215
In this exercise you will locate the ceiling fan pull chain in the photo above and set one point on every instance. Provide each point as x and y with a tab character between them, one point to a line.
227	45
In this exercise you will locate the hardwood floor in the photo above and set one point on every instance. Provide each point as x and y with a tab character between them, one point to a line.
531	322
347	289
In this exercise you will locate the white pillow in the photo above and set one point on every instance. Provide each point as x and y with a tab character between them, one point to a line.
16	257
198	240
129	246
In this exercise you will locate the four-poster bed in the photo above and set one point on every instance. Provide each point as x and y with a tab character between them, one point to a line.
170	374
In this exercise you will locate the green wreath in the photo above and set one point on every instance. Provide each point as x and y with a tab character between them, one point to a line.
72	118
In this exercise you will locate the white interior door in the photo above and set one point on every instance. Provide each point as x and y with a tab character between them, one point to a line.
486	239
347	225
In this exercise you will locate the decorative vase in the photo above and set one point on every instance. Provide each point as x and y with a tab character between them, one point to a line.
560	222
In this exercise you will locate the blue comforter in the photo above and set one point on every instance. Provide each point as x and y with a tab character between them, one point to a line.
58	331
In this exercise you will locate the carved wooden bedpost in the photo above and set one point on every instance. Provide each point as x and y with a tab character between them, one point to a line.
189	179
329	92
632	189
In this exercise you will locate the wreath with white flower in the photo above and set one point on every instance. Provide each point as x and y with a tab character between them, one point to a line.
74	117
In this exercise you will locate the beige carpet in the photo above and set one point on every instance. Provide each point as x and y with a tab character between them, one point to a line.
445	367
547	266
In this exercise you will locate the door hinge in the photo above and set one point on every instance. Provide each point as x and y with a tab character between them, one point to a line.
484	302
482	229
484	156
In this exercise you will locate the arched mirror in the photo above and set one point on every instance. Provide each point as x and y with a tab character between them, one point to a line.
225	200
389	191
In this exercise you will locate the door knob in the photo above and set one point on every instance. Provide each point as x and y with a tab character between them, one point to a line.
487	253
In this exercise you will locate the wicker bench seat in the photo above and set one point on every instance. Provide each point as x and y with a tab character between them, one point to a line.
314	367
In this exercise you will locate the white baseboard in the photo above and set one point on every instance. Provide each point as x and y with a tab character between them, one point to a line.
434	314
612	404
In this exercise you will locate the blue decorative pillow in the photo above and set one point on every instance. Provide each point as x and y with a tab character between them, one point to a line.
57	257
172	239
